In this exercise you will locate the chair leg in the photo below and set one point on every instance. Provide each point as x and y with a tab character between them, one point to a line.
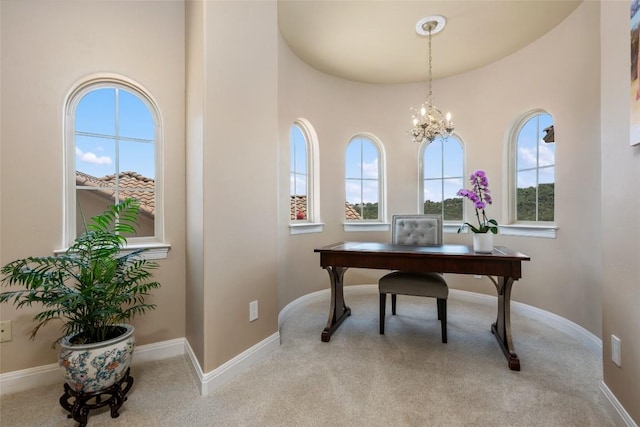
442	316
383	309
393	304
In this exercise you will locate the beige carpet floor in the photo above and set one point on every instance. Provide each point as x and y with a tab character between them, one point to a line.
406	377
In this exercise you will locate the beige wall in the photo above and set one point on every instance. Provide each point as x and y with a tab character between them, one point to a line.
239	176
620	209
195	291
485	103
47	47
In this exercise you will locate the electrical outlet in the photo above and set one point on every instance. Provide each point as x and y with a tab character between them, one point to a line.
615	350
253	310
5	330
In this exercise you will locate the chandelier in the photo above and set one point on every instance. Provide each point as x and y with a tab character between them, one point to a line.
428	121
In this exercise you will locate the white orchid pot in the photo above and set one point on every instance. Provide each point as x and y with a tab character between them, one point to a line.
483	243
95	367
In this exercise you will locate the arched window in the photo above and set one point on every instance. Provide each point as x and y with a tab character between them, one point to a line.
534	179
442	175
364	180
304	212
299	174
112	145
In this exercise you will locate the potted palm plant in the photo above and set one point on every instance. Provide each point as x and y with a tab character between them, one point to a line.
94	288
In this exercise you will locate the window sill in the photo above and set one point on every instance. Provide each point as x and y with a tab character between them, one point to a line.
366	226
153	250
528	230
522	230
306	228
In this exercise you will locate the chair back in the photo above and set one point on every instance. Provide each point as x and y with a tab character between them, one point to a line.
419	230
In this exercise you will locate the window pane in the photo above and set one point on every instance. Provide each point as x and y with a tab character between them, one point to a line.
137	157
433	196
527	156
298	152
526	196
146	197
369	160
353	162
433	160
546	153
96	112
353	191
90	203
95	156
546	194
298	184
361	183
135	120
452	202
453	158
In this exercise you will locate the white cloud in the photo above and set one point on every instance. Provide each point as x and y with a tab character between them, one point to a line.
528	156
92	158
370	170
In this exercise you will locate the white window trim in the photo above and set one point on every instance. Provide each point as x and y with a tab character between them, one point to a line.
152	250
355	226
73	97
313	223
306	228
367	224
521	230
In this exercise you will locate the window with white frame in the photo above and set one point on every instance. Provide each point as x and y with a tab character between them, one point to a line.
112	153
442	175
534	189
299	175
304	183
364	179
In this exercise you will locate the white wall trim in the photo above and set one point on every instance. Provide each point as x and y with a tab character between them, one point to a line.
616	409
25	379
226	372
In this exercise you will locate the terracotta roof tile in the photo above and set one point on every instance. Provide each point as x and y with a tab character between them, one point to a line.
132	185
298	205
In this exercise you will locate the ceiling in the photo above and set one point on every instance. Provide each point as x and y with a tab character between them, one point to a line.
375	41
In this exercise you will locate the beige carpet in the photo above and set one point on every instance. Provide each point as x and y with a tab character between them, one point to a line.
406	377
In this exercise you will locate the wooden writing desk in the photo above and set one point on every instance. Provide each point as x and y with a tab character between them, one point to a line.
503	263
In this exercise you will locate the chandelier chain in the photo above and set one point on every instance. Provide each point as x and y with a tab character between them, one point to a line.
428	121
430	97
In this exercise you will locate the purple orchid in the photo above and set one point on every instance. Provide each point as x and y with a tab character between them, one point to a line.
480	195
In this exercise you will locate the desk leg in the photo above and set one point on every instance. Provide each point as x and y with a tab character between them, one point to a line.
502	328
338	310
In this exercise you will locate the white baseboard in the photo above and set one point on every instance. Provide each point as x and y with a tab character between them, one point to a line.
232	368
26	379
616	409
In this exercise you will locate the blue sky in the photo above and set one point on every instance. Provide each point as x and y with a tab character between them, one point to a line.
131	121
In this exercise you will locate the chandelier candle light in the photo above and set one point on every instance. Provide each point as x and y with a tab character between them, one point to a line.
428	121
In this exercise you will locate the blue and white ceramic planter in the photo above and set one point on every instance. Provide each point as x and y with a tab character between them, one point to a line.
94	367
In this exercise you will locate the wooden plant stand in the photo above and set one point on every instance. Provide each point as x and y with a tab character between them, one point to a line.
79	404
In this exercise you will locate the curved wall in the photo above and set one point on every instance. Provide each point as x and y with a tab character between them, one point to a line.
558	73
